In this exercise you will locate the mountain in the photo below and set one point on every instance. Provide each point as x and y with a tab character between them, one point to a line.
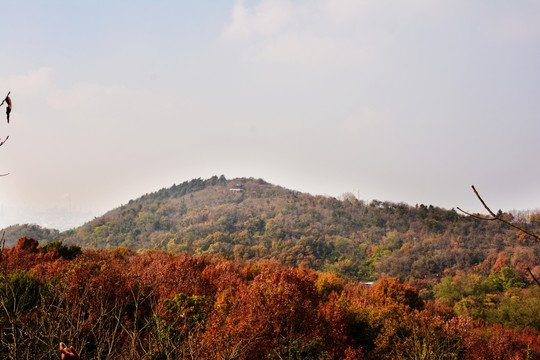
15	232
249	218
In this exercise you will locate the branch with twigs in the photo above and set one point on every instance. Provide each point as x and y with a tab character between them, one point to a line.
7	137
2	143
497	217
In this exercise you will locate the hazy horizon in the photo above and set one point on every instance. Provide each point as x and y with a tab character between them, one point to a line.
401	101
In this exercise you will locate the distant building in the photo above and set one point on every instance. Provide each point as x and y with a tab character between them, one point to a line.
367	282
237	188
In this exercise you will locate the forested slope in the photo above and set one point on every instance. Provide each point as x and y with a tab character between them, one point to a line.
116	304
251	219
473	268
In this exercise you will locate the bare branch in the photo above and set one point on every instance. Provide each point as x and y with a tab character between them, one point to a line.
532	275
2	244
496	217
2	252
2	143
475	215
483	203
2	103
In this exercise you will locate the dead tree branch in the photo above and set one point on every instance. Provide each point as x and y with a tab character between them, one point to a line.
3	101
7	137
532	275
496	217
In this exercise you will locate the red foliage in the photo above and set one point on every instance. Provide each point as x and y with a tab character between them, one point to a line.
279	306
25	255
216	308
498	342
171	275
223	275
501	262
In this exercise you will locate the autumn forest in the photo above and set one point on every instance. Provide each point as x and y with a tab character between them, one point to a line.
243	269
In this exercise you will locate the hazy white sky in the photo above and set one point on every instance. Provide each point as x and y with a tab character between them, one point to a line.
408	101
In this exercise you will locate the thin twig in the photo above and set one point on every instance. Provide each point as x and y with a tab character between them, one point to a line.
5	98
532	275
2	252
2	143
2	244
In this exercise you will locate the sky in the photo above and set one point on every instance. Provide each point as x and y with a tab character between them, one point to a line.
403	101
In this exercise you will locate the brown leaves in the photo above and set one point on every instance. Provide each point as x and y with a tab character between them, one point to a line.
123	304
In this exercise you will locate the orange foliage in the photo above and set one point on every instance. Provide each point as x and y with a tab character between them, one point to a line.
391	291
113	304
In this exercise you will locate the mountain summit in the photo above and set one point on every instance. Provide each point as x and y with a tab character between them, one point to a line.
249	218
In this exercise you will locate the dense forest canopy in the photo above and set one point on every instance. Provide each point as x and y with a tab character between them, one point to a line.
156	305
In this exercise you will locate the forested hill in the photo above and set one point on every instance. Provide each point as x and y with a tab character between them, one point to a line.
249	218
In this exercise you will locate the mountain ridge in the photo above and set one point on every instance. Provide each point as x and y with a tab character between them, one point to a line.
248	218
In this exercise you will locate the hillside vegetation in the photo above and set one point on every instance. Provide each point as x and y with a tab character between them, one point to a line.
251	219
119	304
250	270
